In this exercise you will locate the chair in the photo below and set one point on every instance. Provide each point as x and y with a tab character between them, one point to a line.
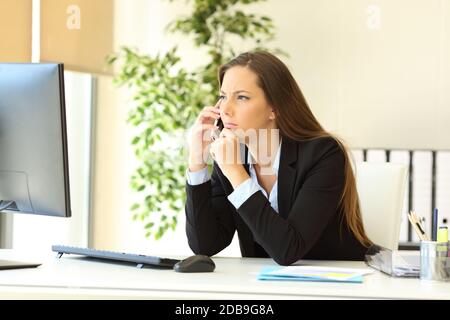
381	189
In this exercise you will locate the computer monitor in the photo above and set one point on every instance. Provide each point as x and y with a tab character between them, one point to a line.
34	172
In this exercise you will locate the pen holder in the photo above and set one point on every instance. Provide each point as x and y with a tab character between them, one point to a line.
434	261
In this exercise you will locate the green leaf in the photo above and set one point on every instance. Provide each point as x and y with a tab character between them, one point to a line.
135	140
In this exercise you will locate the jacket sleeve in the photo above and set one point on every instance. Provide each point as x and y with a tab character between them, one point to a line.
210	226
288	240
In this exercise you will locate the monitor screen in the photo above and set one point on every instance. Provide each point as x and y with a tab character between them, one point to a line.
34	173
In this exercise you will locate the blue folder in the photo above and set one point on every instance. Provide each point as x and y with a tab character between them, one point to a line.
265	275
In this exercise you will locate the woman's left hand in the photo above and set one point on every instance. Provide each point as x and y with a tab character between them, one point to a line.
226	152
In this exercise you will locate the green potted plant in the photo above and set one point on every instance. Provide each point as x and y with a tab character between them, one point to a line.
168	98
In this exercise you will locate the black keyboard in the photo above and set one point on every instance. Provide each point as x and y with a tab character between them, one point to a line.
139	259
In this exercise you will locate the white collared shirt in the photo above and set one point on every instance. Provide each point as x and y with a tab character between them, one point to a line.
247	188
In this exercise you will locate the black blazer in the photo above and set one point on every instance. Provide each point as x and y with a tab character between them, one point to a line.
308	225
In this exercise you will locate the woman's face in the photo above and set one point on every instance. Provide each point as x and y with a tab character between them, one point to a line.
243	104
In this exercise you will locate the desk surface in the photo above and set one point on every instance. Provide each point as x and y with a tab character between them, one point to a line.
73	277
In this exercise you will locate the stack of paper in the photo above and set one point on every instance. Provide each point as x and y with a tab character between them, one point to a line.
394	263
314	273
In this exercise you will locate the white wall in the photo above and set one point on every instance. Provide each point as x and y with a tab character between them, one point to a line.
375	72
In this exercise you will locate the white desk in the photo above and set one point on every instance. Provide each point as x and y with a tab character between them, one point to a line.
75	277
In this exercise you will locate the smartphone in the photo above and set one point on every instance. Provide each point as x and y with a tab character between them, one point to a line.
215	134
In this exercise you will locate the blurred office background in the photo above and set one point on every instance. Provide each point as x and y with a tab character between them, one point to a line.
374	72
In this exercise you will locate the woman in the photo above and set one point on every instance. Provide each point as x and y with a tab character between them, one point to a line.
299	201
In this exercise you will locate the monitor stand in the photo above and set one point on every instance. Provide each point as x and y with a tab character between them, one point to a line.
6	205
9	264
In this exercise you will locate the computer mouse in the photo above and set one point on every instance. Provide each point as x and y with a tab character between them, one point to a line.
197	263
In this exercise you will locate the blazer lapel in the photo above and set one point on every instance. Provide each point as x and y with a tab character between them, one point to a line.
286	176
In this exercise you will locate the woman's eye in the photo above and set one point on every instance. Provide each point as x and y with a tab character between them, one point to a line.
243	98
221	97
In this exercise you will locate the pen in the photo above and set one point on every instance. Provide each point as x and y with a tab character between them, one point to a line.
442	242
422	222
419	220
442	234
417	226
434	225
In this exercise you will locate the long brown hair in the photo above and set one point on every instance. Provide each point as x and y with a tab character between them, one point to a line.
296	121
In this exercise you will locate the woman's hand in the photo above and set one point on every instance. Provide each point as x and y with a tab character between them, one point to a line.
226	152
198	138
